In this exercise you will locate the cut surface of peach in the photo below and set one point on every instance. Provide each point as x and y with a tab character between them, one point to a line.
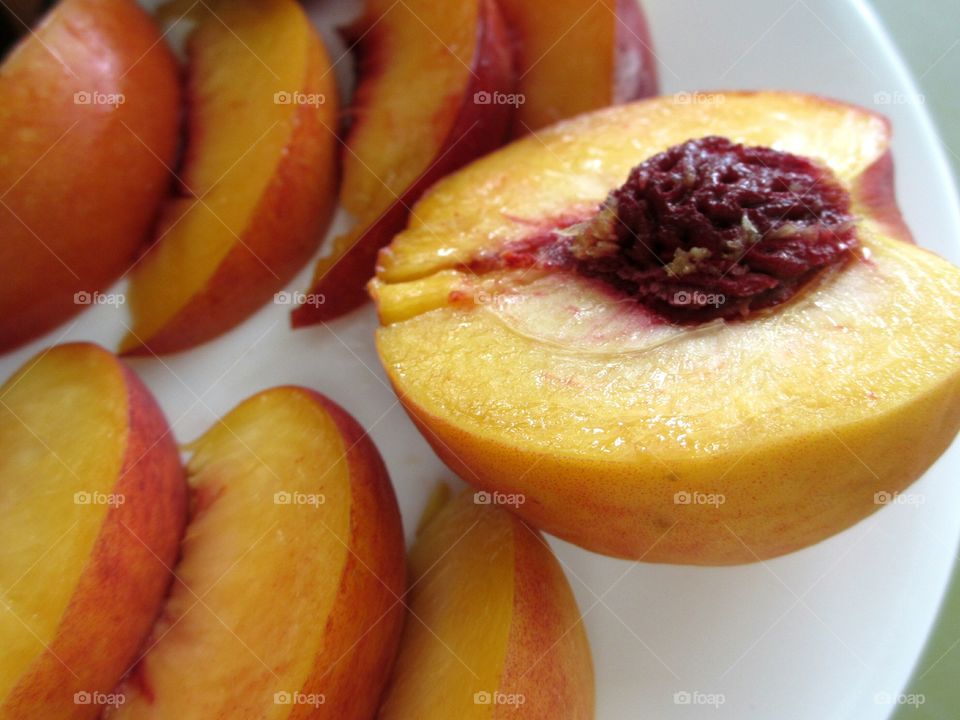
89	114
258	179
574	56
494	628
426	67
92	506
544	382
285	603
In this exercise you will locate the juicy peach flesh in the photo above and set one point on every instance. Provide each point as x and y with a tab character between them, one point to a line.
38	524
574	56
257	185
526	380
92	508
425	67
289	574
406	57
682	235
491	613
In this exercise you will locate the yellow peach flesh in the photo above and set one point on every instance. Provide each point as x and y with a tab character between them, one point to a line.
46	432
256	71
92	509
462	582
255	574
493	626
430	47
553	387
288	586
566	58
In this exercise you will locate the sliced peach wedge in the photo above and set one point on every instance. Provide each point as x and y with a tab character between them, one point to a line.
92	508
494	628
287	600
432	77
574	56
258	180
723	358
89	116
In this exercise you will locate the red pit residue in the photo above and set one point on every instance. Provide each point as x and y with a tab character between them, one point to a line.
707	229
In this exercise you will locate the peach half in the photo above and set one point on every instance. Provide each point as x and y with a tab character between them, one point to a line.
258	181
92	508
89	114
494	630
286	603
630	434
434	76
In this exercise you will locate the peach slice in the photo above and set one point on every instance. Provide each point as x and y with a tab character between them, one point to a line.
577	55
429	71
287	600
632	436
258	179
92	508
89	113
494	628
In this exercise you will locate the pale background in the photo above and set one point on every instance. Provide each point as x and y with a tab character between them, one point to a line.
928	35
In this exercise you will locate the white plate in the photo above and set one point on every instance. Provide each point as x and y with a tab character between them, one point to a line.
829	632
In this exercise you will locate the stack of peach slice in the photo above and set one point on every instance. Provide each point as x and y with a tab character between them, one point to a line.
271	583
717	442
287	589
91	112
90	117
442	83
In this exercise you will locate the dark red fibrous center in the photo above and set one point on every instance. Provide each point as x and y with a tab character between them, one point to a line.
711	229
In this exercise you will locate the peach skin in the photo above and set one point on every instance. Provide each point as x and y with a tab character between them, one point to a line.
287	601
574	56
92	508
258	180
434	79
494	630
688	332
89	115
